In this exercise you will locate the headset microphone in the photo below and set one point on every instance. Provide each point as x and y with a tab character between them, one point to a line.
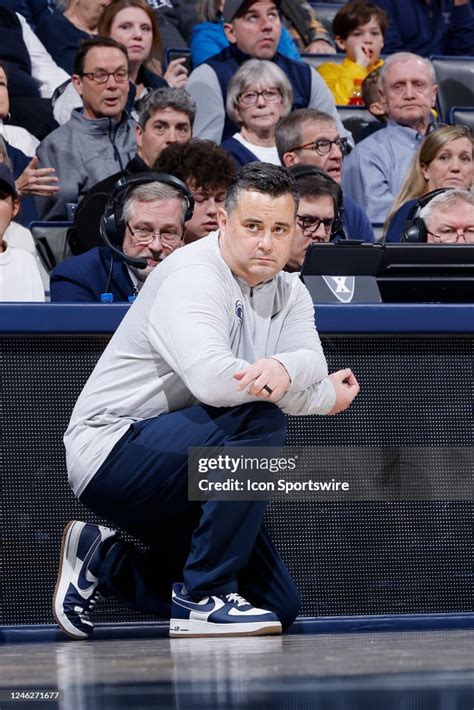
134	261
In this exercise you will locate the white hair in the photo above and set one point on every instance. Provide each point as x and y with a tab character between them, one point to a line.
447	199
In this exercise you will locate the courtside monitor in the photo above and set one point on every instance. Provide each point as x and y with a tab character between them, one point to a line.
342	272
427	273
403	273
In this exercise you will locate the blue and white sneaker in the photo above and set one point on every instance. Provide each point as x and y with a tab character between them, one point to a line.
222	615
76	593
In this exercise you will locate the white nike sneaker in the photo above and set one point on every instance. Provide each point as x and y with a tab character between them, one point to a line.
220	615
76	593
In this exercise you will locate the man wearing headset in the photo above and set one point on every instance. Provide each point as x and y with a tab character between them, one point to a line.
218	347
150	227
318	218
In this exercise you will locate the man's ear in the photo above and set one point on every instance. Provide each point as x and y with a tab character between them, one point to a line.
77	83
229	32
289	159
435	91
15	207
138	135
222	218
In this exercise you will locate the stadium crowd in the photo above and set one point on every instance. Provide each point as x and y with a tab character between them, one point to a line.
97	91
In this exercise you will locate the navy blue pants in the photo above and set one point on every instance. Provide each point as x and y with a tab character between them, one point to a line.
214	547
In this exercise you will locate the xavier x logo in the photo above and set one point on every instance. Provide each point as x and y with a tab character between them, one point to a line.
341	286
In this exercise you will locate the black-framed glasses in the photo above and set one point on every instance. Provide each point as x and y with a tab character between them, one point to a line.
249	98
451	236
323	146
310	225
101	77
146	236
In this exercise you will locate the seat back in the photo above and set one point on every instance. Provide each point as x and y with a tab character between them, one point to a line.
326	11
355	119
455	78
51	242
462	116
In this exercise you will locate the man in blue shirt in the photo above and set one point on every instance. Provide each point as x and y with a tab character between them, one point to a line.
429	27
376	168
311	137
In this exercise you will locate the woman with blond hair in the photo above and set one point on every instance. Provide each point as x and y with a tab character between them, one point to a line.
444	159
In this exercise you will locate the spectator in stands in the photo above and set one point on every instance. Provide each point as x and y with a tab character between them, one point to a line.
359	28
219	345
133	23
20	279
97	140
253	28
307	33
449	218
318	210
258	95
207	170
376	168
165	117
208	35
310	137
16	136
444	159
62	32
32	74
17	148
370	93
429	27
151	228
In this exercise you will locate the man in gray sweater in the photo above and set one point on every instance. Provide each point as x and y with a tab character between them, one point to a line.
218	347
99	139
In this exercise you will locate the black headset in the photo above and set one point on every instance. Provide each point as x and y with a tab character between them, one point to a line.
112	227
415	229
300	171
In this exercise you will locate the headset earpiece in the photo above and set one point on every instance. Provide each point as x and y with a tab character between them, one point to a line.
415	228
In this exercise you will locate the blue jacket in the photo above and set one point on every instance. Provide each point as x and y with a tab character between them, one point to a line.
439	28
238	152
226	63
83	278
208	38
399	219
355	221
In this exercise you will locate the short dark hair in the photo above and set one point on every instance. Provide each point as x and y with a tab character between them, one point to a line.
355	14
313	182
165	97
370	90
272	180
199	161
88	44
289	128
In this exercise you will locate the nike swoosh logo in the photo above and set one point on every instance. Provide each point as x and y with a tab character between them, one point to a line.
213	605
88	576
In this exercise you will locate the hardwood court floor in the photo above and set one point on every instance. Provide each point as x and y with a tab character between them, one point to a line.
416	670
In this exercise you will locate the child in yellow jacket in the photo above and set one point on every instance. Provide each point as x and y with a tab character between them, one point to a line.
359	29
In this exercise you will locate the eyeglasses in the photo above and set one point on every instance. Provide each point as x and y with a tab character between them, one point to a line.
310	225
249	98
102	77
146	236
323	146
452	236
